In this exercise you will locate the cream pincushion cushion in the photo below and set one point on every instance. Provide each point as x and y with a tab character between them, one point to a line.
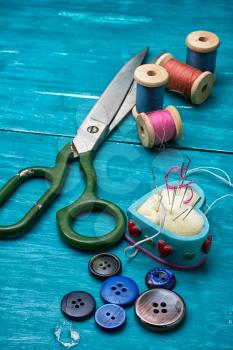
158	205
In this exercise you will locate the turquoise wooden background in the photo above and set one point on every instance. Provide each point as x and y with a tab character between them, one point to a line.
56	57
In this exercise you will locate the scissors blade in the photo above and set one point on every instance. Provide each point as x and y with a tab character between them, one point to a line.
112	98
96	125
127	105
125	108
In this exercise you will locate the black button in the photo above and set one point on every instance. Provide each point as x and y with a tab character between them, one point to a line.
104	265
78	305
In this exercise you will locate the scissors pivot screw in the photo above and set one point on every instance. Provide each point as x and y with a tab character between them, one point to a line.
92	129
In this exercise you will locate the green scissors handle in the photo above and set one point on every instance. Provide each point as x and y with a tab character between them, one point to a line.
55	175
88	202
113	106
65	217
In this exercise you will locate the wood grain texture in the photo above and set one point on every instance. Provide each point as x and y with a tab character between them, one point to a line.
56	57
39	268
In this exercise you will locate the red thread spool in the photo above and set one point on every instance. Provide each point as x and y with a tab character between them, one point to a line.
187	80
159	127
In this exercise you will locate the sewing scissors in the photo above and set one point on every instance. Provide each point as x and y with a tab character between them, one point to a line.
111	108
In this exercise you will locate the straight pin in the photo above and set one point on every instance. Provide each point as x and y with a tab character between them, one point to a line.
176	217
163	222
185	174
160	196
182	165
183	196
173	199
160	200
192	208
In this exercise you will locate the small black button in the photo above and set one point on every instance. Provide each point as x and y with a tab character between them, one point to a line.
78	305
104	265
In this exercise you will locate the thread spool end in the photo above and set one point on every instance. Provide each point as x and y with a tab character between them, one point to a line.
151	75
202	41
135	112
163	58
202	87
145	130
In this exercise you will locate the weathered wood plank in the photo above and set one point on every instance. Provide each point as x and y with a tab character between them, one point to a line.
53	55
39	268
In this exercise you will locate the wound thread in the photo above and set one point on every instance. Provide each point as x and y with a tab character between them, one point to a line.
181	76
186	80
158	127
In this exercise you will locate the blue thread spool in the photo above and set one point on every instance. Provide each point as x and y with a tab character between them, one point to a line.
202	50
151	80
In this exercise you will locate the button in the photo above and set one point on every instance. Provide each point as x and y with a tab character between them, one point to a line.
160	277
159	309
78	305
110	317
104	265
119	290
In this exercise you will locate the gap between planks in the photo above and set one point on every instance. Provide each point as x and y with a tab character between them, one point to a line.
117	141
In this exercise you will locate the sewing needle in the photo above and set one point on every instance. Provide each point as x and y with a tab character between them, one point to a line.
173	199
176	217
183	196
192	208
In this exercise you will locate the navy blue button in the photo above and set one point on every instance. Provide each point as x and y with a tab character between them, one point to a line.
110	317
78	305
160	277
119	290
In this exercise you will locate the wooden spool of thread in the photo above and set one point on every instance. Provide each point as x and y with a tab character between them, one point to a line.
202	50
187	80
159	127
151	81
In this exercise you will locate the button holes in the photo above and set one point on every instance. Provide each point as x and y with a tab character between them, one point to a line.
161	275
82	303
101	265
155	304
119	284
157	275
163	304
77	306
113	288
156	311
118	292
113	318
164	311
107	313
109	265
124	289
79	299
73	302
105	262
104	268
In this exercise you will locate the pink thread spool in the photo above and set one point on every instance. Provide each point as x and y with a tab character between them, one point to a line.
159	127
